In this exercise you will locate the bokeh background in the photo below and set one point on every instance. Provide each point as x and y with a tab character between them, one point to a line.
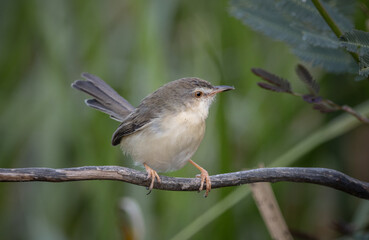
137	46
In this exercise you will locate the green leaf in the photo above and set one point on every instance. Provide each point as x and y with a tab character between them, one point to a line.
356	41
347	8
265	17
321	40
306	13
300	25
364	65
333	60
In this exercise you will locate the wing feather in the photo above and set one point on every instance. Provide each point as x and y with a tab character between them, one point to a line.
136	121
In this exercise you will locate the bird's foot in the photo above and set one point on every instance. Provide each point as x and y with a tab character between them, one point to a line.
205	178
151	173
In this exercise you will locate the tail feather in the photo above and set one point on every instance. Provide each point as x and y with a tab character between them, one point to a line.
97	105
106	99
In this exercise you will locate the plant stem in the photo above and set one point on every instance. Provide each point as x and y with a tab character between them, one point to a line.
337	31
327	18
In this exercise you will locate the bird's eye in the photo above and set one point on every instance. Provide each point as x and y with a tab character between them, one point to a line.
198	94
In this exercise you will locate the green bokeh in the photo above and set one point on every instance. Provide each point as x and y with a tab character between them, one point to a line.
137	46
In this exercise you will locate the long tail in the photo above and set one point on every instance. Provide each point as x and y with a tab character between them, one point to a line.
105	98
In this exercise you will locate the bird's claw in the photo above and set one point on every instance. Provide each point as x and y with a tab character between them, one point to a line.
151	173
205	178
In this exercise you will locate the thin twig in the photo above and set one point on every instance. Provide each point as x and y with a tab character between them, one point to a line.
322	176
351	111
347	109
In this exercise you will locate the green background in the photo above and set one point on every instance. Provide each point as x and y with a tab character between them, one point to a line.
137	46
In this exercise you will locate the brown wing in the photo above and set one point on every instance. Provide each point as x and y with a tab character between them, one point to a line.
149	109
136	121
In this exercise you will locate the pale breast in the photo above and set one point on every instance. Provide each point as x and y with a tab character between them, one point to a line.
167	143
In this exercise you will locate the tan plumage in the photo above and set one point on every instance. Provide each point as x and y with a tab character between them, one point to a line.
165	130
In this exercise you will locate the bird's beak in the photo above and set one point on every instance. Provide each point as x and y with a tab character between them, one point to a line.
218	89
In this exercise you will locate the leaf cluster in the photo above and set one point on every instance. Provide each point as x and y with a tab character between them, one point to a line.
278	84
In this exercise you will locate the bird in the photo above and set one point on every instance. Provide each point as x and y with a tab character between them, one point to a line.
164	131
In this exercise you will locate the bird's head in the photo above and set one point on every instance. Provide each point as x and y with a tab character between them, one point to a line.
188	94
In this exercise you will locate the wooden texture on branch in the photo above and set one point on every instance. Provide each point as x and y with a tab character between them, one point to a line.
322	176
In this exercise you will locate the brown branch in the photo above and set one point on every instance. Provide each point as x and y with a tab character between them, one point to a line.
322	176
351	111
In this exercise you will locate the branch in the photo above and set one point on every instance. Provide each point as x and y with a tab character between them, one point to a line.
321	176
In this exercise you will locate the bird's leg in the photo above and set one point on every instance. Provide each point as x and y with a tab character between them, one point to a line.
151	173
204	178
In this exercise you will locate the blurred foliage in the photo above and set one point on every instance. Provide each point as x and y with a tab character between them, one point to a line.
357	42
299	24
137	46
